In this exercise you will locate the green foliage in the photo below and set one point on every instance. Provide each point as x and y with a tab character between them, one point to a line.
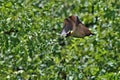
29	48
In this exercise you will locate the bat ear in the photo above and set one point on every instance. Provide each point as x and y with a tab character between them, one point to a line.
77	20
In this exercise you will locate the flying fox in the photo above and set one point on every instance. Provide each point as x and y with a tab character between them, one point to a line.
74	27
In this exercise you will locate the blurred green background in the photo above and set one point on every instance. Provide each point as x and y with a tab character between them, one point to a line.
29	48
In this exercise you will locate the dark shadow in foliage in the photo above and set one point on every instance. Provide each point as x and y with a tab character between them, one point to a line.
10	31
63	75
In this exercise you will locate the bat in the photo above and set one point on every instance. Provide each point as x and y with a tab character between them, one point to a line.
74	27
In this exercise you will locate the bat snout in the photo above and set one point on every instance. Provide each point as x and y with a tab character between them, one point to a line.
66	34
63	33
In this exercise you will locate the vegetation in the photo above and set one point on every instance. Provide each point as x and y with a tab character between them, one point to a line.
29	46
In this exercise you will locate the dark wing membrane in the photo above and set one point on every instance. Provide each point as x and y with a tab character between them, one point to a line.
86	31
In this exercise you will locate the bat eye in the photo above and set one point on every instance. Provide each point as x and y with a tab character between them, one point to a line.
71	32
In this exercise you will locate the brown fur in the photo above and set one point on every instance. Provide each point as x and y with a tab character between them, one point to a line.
72	23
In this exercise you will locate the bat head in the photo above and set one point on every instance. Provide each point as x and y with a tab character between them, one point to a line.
69	25
73	26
